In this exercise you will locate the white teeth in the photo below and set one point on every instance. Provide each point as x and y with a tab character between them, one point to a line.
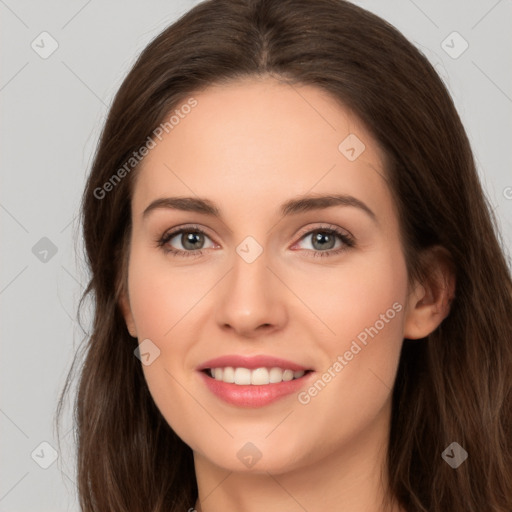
242	376
256	377
276	375
259	376
228	375
288	375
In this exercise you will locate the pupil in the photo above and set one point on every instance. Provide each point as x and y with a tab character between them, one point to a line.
323	239
189	239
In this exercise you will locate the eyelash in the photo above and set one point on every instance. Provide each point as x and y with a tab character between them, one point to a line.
348	241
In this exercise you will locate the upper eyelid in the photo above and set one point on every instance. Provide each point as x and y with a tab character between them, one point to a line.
324	227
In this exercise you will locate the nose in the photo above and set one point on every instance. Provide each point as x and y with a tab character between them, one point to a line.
251	299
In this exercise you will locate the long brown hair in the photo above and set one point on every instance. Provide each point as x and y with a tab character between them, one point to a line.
454	385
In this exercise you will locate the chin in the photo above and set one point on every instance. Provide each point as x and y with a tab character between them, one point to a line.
255	457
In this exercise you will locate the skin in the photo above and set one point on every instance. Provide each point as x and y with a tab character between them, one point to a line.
248	147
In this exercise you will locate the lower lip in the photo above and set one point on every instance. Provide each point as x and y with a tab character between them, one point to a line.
251	395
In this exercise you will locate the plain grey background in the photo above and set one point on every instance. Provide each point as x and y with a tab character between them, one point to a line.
52	110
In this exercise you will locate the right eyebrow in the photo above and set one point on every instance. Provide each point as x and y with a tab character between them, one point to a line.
186	204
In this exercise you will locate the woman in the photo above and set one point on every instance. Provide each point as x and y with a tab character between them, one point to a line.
300	298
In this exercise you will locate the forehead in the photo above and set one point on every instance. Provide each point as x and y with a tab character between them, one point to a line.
262	140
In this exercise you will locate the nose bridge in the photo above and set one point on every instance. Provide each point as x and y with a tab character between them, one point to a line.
249	298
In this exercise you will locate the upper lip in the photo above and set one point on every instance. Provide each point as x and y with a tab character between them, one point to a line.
251	362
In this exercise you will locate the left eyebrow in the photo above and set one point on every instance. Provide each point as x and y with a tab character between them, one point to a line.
308	203
290	207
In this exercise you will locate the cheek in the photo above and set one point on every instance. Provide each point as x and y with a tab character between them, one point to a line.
162	303
159	298
363	306
356	295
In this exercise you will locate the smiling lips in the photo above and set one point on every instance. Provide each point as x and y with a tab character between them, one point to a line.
252	381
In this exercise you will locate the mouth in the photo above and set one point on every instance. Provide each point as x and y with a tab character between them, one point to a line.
252	382
263	376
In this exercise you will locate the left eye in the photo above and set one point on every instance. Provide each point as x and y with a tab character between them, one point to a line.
323	240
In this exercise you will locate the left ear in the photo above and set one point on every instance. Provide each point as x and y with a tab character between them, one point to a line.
429	302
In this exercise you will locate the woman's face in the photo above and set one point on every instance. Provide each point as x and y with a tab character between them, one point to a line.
269	277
